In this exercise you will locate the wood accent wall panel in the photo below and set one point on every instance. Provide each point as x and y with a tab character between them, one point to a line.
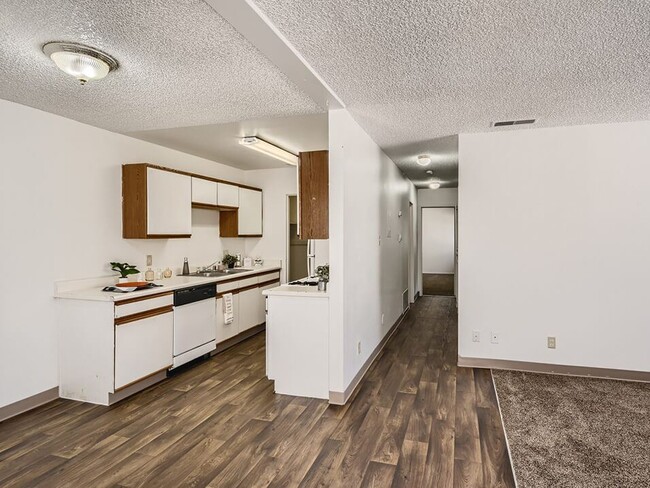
313	184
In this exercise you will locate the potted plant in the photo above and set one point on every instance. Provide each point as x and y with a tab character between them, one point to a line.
323	273
229	260
125	269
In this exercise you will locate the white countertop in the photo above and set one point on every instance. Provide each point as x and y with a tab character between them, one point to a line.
176	282
296	291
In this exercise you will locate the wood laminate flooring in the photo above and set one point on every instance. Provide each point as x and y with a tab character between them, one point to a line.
416	420
438	284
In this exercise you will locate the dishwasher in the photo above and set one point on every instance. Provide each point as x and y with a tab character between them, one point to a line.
195	331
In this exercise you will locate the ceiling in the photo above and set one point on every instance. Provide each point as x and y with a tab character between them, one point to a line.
220	142
181	64
413	72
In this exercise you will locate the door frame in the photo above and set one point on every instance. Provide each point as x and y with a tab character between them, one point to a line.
421	231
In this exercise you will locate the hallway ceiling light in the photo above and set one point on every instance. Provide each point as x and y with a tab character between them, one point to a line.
435	185
429	172
83	62
269	149
424	160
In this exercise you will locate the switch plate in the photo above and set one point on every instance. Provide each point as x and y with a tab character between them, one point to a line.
494	337
149	260
382	319
476	336
550	342
359	348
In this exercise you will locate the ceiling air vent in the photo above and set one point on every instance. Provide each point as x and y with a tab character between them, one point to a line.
513	122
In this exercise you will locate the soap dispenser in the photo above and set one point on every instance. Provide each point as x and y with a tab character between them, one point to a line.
186	267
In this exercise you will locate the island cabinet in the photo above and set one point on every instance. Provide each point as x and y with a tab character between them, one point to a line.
313	195
156	203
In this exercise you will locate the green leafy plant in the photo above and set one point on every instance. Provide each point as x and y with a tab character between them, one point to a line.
323	272
229	260
125	269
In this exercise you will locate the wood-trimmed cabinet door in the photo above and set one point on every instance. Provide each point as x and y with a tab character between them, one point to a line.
169	203
204	192
143	347
226	331
249	219
227	195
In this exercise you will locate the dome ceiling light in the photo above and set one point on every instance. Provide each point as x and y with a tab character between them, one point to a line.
424	160
434	185
83	62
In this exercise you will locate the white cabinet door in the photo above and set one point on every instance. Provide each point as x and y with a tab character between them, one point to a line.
169	203
143	347
250	212
204	191
261	303
226	331
227	195
248	309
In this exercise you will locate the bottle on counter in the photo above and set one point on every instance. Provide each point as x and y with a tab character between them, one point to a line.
159	274
149	275
167	273
186	267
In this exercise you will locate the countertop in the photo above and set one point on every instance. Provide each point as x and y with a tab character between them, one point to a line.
296	291
95	293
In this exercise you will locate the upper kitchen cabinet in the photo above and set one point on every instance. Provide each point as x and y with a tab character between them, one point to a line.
249	220
204	193
156	203
313	195
227	195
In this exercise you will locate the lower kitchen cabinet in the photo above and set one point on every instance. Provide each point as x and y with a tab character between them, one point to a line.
226	331
143	347
248	306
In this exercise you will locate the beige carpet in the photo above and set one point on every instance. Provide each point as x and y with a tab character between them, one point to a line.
574	432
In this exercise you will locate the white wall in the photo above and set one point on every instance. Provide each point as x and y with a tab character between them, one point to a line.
442	197
438	240
554	229
369	266
60	204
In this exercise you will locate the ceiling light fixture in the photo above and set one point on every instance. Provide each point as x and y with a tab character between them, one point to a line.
435	185
269	149
429	172
424	160
83	62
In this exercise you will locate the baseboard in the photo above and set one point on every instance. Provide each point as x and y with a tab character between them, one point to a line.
29	403
612	374
242	336
341	397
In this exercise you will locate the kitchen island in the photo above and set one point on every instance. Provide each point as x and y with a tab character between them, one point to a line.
297	340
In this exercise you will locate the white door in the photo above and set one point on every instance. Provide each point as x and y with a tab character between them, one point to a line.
226	331
204	191
169	203
250	212
227	195
193	325
143	347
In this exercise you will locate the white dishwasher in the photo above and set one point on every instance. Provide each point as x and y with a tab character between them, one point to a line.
195	332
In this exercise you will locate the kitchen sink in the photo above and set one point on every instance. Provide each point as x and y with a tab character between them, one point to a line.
216	274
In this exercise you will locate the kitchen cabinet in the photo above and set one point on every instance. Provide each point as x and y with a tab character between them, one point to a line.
143	347
248	307
226	331
227	195
313	195
204	192
156	203
249	222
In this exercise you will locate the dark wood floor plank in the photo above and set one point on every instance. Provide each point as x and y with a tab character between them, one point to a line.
416	419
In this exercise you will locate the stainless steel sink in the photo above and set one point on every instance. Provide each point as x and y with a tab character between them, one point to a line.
217	274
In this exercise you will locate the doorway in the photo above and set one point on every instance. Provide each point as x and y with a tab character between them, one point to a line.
297	248
438	250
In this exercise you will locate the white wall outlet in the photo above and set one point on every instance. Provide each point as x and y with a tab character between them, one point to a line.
494	337
550	342
476	336
358	348
382	319
149	260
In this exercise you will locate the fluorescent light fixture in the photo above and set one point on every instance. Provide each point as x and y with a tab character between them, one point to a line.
424	160
83	62
269	149
435	185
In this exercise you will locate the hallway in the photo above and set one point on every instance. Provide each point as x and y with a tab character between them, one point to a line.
415	421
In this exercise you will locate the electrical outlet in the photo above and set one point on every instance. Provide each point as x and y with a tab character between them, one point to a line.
476	336
494	337
149	260
550	342
359	348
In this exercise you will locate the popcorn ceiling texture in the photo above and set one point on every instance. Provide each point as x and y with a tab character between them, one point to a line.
415	70
181	64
